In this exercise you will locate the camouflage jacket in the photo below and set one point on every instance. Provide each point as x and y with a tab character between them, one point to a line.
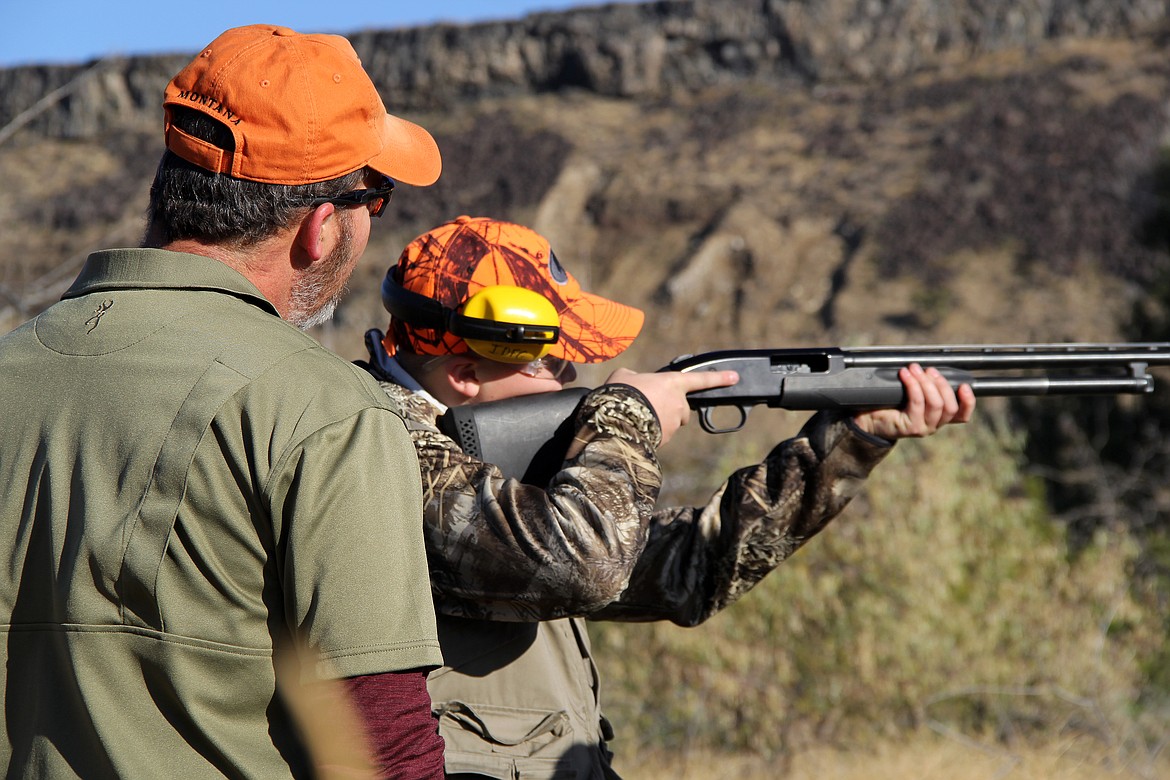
593	543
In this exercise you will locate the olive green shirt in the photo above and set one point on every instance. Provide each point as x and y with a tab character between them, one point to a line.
186	483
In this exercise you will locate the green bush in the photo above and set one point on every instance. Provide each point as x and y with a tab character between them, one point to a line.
943	597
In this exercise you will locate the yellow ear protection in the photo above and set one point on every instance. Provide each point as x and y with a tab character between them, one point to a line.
505	323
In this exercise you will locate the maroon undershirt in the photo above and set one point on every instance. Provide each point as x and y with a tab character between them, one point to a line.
396	710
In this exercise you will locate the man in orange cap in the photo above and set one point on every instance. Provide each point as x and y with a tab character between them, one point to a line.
515	566
189	482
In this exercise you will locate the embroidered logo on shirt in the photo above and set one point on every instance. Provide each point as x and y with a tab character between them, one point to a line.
93	321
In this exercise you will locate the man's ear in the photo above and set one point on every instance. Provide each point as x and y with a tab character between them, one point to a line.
317	235
461	374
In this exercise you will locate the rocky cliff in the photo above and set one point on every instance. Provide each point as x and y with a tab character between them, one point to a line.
621	50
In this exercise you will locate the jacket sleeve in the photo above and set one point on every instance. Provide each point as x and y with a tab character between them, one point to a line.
699	560
503	550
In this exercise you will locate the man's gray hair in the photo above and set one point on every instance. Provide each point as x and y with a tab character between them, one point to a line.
189	202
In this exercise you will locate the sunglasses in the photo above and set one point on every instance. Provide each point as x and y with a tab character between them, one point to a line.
373	198
553	365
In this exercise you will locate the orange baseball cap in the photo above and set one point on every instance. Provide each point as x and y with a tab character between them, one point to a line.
301	108
456	260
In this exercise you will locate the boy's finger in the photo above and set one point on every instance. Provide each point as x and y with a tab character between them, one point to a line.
705	380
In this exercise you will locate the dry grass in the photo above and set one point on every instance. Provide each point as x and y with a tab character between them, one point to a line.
924	756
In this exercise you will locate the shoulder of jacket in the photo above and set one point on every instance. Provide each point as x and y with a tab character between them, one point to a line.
419	413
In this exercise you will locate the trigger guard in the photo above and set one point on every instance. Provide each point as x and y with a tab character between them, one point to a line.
708	426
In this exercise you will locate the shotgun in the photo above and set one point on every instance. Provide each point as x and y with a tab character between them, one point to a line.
526	436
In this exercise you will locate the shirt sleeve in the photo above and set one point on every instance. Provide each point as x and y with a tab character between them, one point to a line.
403	733
503	550
348	503
700	559
592	543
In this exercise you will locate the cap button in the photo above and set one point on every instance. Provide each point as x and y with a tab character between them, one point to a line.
463	219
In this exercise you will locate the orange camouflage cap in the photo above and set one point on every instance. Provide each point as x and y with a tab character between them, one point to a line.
301	108
456	260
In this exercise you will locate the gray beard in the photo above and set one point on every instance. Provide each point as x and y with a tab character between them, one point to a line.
320	316
308	305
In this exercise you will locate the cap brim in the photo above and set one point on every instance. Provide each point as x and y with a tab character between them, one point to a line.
409	153
594	329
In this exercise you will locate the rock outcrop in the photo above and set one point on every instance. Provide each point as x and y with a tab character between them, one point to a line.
641	50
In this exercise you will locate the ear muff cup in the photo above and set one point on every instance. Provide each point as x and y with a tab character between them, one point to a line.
521	310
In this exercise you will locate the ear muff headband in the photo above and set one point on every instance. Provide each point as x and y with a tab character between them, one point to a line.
423	312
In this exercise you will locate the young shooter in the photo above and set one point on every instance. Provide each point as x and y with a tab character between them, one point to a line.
515	567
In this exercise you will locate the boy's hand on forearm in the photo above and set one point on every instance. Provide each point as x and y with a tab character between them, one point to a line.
930	404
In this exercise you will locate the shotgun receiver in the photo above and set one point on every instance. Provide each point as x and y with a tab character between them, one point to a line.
521	435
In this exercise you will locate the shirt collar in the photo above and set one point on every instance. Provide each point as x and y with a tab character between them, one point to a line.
129	269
